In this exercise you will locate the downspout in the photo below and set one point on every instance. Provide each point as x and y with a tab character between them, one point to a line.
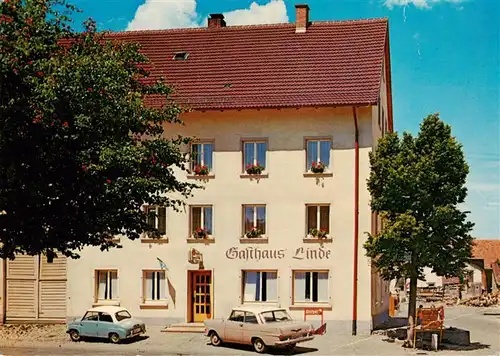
356	224
4	292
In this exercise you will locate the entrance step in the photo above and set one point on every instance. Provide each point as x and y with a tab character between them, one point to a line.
185	328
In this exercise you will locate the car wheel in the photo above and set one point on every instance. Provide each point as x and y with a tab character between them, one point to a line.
114	338
259	345
215	339
74	335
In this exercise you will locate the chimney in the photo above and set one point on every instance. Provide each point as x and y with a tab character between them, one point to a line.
301	18
216	21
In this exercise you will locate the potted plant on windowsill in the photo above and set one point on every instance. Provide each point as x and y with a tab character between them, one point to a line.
201	170
254	169
200	233
318	167
254	233
318	234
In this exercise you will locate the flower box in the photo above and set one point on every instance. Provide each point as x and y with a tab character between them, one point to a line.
318	167
254	169
200	233
254	233
201	170
319	234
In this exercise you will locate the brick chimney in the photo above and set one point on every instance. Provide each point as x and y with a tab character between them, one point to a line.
216	21
301	18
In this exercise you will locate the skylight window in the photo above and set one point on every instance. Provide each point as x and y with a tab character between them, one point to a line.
180	56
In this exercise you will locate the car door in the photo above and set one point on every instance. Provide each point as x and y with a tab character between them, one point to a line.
88	324
104	325
233	329
250	327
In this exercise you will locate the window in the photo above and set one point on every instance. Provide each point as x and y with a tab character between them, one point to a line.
107	285
260	286
122	315
180	56
159	221
276	315
202	155
201	219
237	316
310	286
318	219
154	286
254	153
105	317
90	316
318	151
250	318
254	219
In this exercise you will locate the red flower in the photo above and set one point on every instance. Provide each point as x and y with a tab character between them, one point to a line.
39	74
108	181
65	124
29	20
84	167
89	89
30	62
37	119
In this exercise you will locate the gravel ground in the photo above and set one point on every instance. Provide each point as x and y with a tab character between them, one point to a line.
32	333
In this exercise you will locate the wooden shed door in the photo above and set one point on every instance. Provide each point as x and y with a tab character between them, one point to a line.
36	290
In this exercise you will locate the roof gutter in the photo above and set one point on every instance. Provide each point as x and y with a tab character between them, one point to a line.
356	225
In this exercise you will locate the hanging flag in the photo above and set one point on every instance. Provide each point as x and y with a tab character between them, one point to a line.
163	266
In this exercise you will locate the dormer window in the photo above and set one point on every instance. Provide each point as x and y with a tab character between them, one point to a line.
180	56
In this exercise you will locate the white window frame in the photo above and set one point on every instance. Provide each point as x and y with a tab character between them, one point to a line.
318	217
311	271
255	160
243	285
108	278
202	218
254	225
146	297
318	147
157	220
202	145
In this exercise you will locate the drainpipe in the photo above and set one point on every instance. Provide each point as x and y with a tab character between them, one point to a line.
4	291
356	224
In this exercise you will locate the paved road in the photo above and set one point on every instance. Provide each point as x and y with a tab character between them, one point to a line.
484	331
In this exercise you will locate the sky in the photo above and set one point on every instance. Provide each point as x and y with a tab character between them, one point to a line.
445	57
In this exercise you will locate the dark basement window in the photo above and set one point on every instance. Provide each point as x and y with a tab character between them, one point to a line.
180	56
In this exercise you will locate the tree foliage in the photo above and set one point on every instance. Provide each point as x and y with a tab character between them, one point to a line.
80	151
417	184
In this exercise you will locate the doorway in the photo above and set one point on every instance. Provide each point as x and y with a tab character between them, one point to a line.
200	292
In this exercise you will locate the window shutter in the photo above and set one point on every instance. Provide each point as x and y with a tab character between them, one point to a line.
162	220
312	217
324	218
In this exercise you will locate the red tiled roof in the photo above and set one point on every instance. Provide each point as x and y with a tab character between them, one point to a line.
488	250
333	63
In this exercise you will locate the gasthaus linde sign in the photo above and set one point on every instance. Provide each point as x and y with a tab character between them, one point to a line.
257	253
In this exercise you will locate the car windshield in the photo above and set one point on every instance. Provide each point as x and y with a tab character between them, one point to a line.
275	316
122	315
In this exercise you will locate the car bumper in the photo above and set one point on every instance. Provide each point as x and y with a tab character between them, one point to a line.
136	333
293	341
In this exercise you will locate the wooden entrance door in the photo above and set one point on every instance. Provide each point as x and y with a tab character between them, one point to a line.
202	295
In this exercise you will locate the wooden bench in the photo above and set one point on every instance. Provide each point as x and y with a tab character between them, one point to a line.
429	320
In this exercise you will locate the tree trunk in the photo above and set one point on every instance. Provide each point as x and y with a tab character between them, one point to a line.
412	307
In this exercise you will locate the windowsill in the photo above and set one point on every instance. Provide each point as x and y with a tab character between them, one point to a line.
153	306
316	240
325	307
261	303
201	177
254	240
318	175
209	240
149	240
99	303
254	176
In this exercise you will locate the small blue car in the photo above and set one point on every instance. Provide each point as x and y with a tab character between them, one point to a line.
107	322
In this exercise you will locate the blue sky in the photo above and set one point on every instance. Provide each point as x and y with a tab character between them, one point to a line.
445	58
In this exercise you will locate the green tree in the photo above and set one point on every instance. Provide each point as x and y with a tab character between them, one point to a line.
80	151
417	184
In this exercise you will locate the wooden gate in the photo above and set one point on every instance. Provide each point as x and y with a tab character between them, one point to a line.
35	289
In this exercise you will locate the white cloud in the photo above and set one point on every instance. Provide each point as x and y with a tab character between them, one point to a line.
162	14
421	4
272	12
